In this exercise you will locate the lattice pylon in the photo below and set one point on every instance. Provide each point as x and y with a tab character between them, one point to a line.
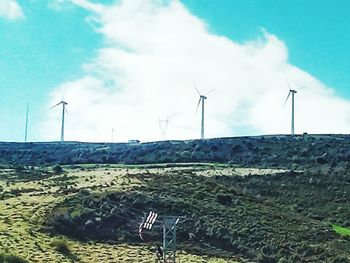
169	239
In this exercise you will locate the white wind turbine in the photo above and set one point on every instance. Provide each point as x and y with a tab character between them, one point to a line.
293	92
64	110
26	127
201	100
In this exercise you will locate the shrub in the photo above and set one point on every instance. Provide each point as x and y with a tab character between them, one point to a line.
10	258
224	199
61	245
57	169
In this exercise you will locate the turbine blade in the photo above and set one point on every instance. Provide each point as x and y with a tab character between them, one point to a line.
289	86
286	99
211	91
199	102
55	105
301	88
197	90
64	93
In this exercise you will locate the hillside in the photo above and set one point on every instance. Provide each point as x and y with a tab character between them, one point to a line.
262	151
251	199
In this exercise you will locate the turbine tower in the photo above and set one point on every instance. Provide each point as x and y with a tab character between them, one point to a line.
201	100
293	92
26	127
64	110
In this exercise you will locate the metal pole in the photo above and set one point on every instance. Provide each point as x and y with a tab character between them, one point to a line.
26	129
202	126
292	112
62	127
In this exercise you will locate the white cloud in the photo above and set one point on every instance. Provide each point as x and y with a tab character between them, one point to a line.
156	50
10	9
60	5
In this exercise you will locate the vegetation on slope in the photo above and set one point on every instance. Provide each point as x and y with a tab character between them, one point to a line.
285	217
30	194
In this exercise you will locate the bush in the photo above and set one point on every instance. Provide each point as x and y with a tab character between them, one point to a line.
57	169
61	246
224	199
10	258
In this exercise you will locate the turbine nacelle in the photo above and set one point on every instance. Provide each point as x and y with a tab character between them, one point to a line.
61	102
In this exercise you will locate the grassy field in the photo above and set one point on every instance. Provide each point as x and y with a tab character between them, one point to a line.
234	214
28	197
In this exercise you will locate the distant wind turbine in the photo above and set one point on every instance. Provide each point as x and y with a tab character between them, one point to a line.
64	110
293	92
26	127
201	100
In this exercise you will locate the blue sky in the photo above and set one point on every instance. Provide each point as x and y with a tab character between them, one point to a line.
37	53
315	32
49	46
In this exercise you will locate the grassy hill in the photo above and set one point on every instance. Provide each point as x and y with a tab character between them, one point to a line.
233	213
273	199
260	151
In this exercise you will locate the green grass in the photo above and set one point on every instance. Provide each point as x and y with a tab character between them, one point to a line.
342	230
22	216
150	165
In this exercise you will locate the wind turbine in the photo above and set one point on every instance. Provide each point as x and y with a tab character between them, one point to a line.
26	127
64	110
293	92
201	100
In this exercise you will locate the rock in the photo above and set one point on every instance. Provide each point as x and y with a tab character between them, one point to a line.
321	159
224	199
114	211
266	259
89	223
305	153
295	159
315	216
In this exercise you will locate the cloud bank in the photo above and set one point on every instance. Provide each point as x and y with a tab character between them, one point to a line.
156	51
10	9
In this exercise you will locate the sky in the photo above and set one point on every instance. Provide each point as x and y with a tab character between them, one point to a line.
124	66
